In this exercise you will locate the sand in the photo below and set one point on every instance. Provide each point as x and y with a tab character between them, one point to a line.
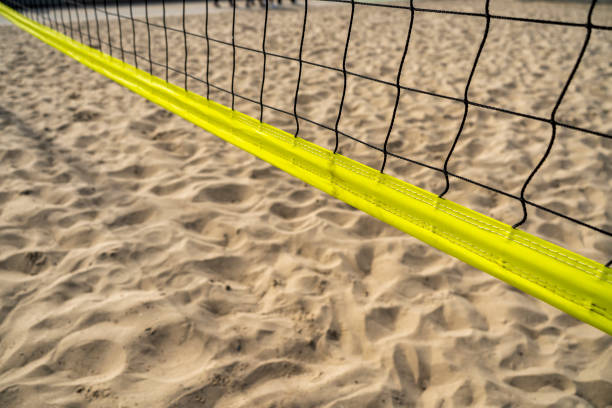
146	263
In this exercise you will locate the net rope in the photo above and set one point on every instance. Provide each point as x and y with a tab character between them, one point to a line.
64	16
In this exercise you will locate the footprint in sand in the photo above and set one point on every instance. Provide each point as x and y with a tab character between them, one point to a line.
31	263
81	238
13	240
364	259
134	171
369	227
527	317
521	357
228	267
86	141
225	194
142	128
380	322
16	157
180	150
5	197
28	353
165	189
270	371
170	348
285	211
85	116
265	173
412	367
93	358
132	218
464	395
598	392
86	191
198	224
301	196
540	382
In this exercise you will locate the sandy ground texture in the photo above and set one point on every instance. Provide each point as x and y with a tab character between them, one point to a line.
146	263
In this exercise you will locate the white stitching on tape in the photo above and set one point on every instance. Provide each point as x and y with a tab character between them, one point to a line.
483	225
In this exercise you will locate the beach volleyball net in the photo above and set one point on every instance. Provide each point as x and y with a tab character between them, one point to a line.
148	47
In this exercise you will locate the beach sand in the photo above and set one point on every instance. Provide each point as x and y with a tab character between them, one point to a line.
146	263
